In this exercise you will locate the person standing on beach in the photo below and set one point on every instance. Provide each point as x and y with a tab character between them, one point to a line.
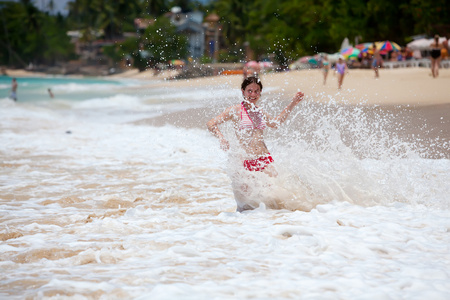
435	56
13	89
325	68
249	122
377	60
50	93
341	69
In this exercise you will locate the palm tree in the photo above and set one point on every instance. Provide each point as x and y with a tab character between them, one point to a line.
234	18
154	8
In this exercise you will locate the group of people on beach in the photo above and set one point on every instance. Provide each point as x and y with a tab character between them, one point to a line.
249	121
375	60
341	67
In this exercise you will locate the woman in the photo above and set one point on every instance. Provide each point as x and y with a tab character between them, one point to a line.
435	56
326	68
377	61
249	122
14	85
341	69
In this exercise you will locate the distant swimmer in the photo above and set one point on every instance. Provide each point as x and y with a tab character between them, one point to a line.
50	93
13	90
249	123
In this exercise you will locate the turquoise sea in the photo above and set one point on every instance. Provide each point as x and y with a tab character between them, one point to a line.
35	89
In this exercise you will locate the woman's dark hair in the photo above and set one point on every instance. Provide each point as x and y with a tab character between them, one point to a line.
250	80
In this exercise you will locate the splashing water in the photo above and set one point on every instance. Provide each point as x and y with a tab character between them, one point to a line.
330	152
99	202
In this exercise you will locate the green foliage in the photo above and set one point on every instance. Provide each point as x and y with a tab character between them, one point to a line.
154	8
107	16
283	29
162	42
205	60
159	43
291	28
31	36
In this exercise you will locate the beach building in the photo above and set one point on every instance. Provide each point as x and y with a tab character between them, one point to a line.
190	25
213	37
203	34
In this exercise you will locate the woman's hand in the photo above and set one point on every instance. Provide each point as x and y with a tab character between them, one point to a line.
297	98
224	145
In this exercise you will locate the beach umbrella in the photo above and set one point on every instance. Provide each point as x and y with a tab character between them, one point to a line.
350	52
422	44
177	62
304	59
332	58
367	50
252	63
313	60
388	46
265	64
308	60
364	46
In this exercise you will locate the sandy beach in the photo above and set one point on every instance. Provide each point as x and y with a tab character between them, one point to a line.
403	86
402	91
409	93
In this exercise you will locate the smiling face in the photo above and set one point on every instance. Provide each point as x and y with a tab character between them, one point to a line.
252	93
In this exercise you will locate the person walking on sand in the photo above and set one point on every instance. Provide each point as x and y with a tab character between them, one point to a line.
377	61
325	68
249	122
14	85
341	69
435	56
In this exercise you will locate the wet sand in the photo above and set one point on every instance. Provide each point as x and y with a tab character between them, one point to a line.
406	86
420	101
117	211
412	94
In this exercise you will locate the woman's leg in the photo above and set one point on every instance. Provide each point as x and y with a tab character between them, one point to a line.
432	67
436	68
341	79
270	170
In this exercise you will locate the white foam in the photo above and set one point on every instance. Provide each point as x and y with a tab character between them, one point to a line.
79	87
123	211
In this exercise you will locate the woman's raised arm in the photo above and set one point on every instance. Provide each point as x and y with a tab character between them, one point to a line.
274	123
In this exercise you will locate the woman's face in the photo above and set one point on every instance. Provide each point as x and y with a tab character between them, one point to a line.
252	93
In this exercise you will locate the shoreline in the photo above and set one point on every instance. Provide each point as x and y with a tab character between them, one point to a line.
411	95
402	86
407	86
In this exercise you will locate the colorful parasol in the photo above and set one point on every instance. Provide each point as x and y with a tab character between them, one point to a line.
388	46
350	52
177	62
364	46
252	63
308	60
